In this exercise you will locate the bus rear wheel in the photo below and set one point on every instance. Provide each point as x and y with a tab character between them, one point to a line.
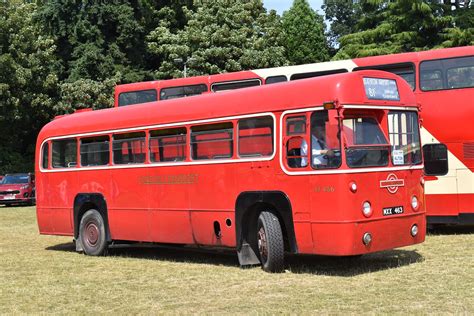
92	233
270	242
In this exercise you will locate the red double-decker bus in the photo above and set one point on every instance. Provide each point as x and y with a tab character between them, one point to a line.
329	166
443	82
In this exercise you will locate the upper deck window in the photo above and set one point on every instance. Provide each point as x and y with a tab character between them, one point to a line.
403	131
366	143
233	85
445	74
276	79
213	141
129	148
406	71
256	137
136	97
64	153
306	75
95	151
181	92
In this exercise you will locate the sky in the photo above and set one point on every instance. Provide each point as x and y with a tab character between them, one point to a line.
283	5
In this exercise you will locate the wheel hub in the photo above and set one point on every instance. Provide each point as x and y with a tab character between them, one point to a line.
92	234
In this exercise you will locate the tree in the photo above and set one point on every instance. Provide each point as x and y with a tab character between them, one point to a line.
342	15
28	84
387	27
304	34
220	36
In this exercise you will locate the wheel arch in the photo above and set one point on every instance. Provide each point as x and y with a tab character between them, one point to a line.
247	208
86	201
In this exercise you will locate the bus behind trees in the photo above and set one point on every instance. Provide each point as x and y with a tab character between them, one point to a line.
328	166
443	82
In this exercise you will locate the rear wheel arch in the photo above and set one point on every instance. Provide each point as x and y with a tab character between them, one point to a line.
87	201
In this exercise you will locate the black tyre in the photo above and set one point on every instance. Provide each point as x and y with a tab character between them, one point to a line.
92	233
270	243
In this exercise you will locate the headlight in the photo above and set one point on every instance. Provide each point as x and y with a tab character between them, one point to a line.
24	187
414	230
414	202
367	209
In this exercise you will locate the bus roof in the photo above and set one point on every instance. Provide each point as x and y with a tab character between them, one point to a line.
345	88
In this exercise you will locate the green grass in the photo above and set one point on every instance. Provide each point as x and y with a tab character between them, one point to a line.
43	274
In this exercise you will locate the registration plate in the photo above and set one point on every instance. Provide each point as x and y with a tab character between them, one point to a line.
394	210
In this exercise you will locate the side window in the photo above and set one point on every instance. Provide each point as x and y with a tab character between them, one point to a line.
449	73
181	92
45	156
431	80
233	85
168	145
64	153
256	137
136	97
306	75
295	127
129	148
325	141
95	151
276	79
213	141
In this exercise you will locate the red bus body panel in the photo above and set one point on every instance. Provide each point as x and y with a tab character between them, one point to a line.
180	203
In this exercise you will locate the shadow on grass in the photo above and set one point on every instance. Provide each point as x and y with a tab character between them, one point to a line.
352	266
310	264
451	230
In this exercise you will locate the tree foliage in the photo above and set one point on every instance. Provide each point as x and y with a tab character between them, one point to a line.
28	83
387	27
304	34
220	36
342	16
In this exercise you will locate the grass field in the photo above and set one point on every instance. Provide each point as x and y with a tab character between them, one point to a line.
43	274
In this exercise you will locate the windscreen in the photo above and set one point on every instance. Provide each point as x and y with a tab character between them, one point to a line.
366	144
403	130
15	179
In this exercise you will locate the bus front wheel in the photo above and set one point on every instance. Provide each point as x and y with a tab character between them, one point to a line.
92	233
270	242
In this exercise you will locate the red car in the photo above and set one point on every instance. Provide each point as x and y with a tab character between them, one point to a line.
17	188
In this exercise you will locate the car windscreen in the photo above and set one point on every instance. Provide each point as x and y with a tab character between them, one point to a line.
15	179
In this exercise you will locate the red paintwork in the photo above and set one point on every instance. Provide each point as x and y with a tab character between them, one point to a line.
326	221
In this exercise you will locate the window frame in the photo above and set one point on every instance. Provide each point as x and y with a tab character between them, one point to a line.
444	78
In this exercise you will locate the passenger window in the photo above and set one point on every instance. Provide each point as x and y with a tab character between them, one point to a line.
95	151
136	97
276	79
449	73
45	155
64	153
307	75
256	137
168	145
212	141
233	85
181	92
129	148
405	70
